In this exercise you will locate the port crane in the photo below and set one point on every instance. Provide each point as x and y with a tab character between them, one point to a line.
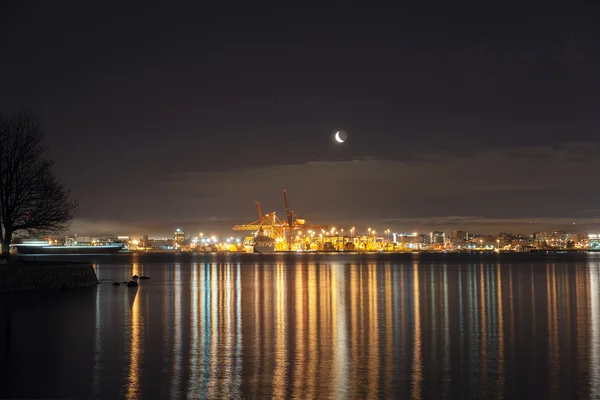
274	227
268	222
260	215
294	223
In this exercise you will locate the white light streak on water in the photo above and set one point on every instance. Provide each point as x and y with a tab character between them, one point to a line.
595	339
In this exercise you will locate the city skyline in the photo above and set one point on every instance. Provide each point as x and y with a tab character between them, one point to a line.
197	232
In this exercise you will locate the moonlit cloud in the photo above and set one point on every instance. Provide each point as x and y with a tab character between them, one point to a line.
524	187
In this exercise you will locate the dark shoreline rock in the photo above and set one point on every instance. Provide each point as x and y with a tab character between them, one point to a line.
32	276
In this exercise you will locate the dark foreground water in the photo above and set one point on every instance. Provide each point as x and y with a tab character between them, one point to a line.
327	326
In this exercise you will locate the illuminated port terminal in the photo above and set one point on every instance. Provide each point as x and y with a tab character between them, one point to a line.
269	233
336	239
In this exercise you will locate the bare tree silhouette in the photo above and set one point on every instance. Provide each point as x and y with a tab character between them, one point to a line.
32	200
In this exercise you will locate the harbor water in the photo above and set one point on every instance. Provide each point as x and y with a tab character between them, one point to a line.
311	326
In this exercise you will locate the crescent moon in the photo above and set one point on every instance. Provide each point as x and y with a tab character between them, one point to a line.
337	137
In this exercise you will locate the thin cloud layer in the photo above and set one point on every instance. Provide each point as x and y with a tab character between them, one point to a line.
526	186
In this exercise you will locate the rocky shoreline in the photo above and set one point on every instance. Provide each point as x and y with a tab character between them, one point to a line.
34	276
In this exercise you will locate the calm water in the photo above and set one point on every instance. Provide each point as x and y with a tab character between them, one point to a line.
328	326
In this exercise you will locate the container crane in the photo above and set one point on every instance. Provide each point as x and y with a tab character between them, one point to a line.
269	222
288	212
260	215
281	231
294	223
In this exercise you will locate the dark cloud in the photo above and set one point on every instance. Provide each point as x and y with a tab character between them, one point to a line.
524	187
155	229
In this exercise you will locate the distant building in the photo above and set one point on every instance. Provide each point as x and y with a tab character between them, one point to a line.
411	242
179	237
459	236
123	239
594	241
438	237
458	240
73	240
505	239
160	244
558	239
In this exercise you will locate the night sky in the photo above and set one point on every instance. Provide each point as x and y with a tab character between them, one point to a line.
165	116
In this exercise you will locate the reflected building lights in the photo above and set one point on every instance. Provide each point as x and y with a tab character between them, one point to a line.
326	327
564	297
403	292
176	356
500	333
447	349
311	389
373	337
433	346
354	326
215	337
344	330
483	332
97	346
133	376
205	326
169	314
594	289
194	374
238	332
279	374
300	331
511	306
491	300
258	328
388	309
340	338
533	313
474	334
461	318
582	316
553	342
417	374
226	323
268	304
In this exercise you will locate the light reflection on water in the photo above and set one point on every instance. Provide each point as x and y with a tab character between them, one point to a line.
334	330
595	332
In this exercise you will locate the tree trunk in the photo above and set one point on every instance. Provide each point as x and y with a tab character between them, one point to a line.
6	244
